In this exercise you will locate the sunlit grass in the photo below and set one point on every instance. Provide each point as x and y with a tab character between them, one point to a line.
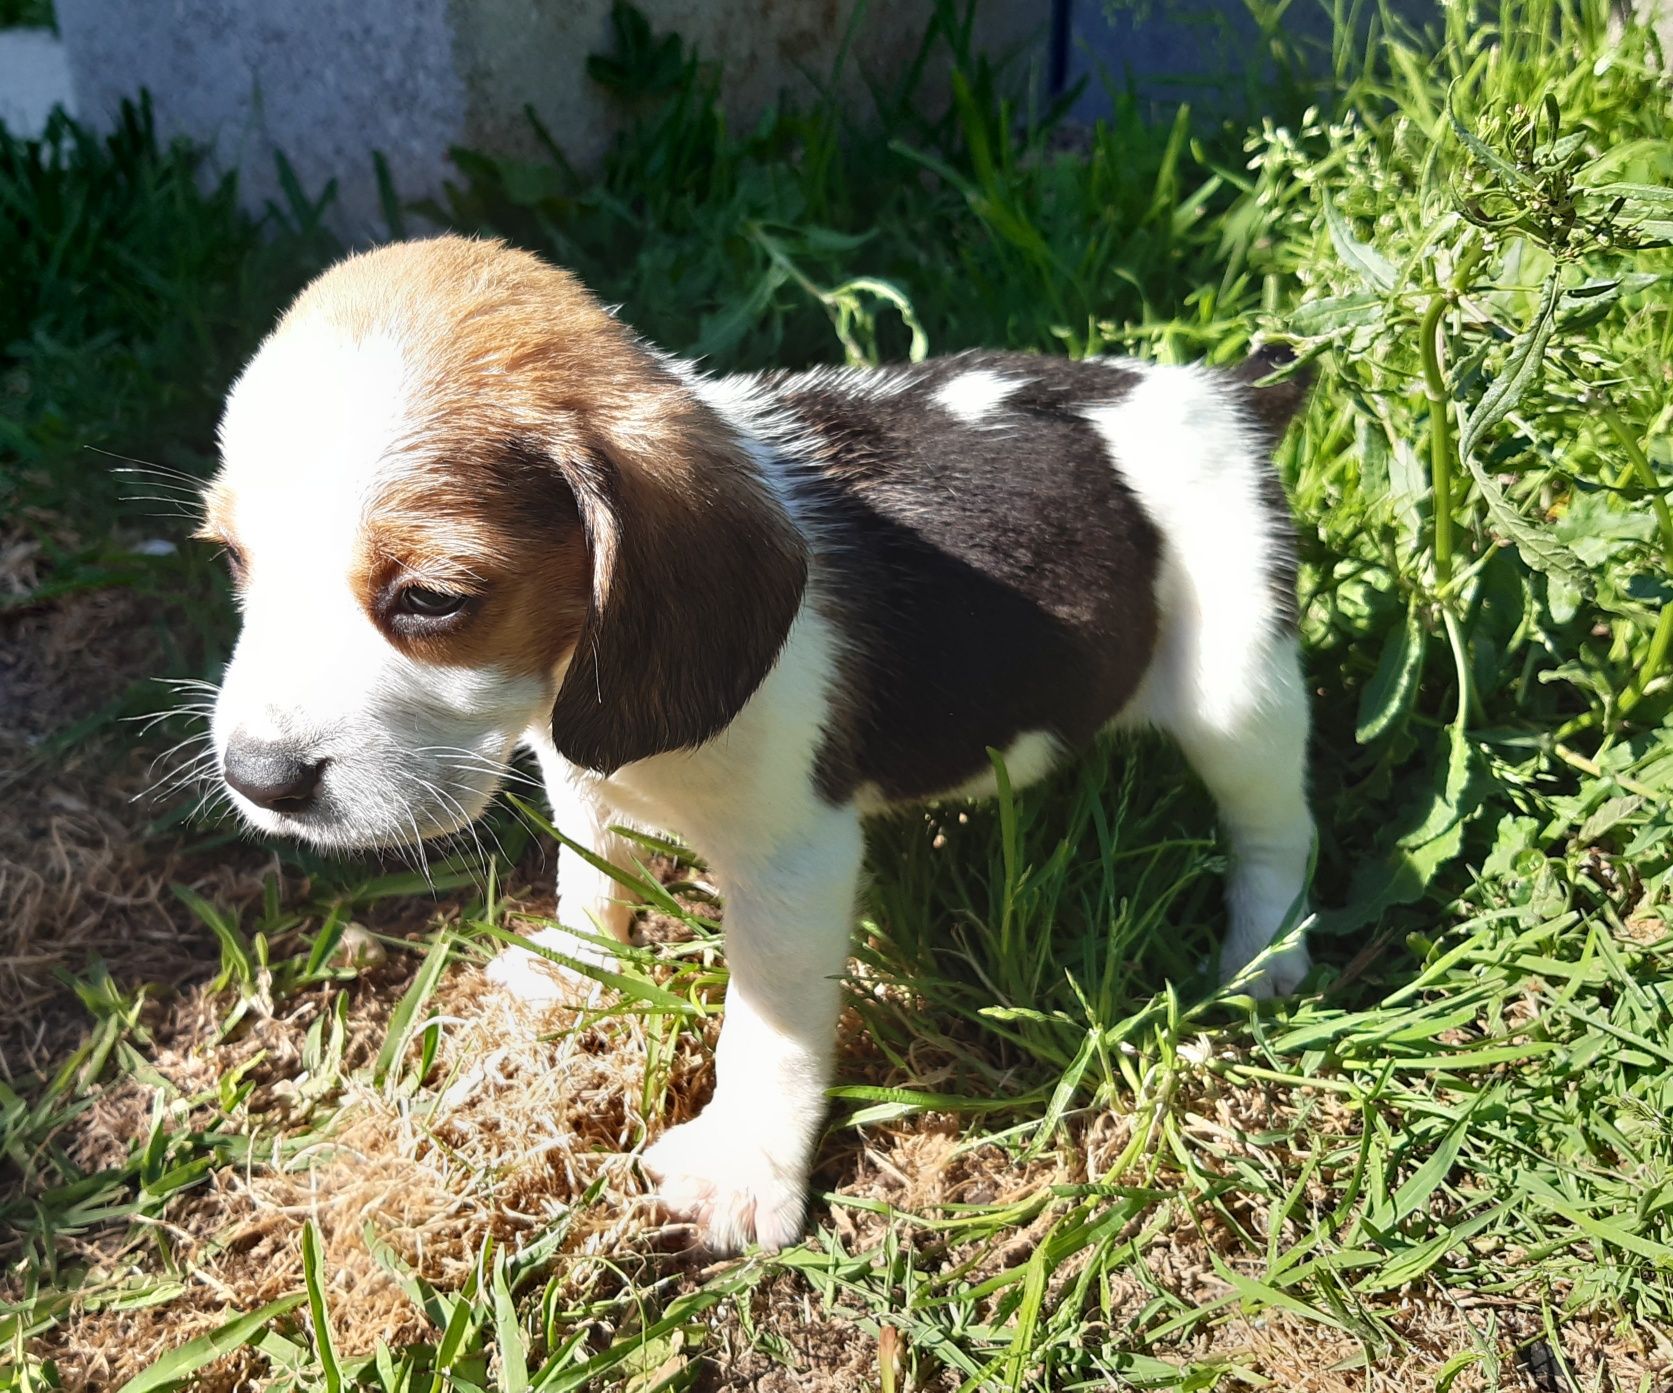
1056	1156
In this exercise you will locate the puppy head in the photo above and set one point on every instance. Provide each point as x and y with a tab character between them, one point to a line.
460	500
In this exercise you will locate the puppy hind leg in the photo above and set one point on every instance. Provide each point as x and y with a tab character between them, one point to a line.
1246	736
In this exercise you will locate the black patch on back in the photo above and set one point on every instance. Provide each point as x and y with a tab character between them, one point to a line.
992	579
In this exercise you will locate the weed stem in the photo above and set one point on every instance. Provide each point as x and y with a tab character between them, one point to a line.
1440	484
1440	439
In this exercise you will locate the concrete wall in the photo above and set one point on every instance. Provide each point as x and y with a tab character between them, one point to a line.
328	81
324	82
1210	55
34	78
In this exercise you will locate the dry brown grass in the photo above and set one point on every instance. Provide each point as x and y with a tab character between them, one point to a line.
81	878
517	1119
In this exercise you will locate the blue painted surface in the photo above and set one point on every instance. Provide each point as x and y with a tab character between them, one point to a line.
1212	55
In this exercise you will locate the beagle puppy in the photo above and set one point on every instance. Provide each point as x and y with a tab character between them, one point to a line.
467	509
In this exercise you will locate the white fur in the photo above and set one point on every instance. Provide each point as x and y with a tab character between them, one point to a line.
1225	683
975	395
311	666
590	904
1226	679
412	746
789	865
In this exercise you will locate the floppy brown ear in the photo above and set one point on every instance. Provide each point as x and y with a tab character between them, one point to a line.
697	574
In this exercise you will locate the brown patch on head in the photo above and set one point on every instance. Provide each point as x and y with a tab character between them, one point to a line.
548	433
496	524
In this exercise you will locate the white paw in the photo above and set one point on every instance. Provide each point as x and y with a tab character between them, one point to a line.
732	1189
537	981
1279	973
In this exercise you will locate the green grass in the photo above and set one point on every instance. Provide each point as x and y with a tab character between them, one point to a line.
1452	1162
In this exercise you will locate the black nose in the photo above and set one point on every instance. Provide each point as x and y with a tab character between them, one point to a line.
271	776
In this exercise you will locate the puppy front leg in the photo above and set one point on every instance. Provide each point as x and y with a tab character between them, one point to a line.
739	1170
588	899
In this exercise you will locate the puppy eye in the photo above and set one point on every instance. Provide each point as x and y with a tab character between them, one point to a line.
426	603
237	566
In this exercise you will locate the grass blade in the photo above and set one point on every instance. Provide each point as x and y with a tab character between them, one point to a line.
197	1354
403	1020
313	1273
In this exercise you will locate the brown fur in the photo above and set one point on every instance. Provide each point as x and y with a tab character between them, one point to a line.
498	526
578	485
217	517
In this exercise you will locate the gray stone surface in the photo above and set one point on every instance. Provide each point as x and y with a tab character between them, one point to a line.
534	51
34	78
329	81
324	81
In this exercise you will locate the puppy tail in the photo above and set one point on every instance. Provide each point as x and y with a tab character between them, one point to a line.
1274	405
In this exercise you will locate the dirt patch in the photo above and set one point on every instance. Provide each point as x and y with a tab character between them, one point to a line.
80	874
813	1353
516	1118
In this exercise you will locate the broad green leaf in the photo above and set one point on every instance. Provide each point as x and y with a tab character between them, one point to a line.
1330	314
512	1344
1535	544
1364	260
1021	1357
1605	1231
1486	154
1520	371
1456	798
1656	195
1260	1294
1063	1095
1388	695
313	1274
1406	871
1426	1179
1407	1266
